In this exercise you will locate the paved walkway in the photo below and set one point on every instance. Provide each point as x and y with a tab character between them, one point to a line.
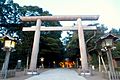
58	74
22	76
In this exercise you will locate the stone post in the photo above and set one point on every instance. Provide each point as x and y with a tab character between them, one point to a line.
5	65
35	48
82	46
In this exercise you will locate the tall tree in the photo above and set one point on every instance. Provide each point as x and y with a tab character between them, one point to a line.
50	43
9	19
90	39
116	51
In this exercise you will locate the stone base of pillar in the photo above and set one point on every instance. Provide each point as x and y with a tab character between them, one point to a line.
32	72
85	73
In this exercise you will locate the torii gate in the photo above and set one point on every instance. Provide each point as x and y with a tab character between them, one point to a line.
78	27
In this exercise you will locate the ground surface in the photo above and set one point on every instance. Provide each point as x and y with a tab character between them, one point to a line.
73	74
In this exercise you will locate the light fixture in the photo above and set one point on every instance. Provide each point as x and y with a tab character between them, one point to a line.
107	40
9	44
42	59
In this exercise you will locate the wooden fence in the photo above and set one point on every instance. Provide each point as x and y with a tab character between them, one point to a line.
116	76
10	73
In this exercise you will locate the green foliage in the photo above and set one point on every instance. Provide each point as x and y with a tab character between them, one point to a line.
49	41
72	46
94	60
30	11
2	2
116	52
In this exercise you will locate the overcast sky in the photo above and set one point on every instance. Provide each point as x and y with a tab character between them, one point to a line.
109	10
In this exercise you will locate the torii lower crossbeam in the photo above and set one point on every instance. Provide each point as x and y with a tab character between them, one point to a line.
65	28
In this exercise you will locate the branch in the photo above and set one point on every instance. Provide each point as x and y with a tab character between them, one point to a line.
91	37
93	48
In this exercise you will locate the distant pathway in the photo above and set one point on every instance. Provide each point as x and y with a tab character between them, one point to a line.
58	74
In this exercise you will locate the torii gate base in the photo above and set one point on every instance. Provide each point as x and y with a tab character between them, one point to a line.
38	28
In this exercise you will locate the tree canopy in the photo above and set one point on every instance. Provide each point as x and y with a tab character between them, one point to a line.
10	23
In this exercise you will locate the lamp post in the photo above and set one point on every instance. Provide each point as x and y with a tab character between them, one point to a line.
18	66
77	62
42	60
107	43
9	45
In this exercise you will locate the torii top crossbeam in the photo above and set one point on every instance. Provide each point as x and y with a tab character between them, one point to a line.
60	18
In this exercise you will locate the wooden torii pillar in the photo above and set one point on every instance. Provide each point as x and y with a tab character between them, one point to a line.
78	27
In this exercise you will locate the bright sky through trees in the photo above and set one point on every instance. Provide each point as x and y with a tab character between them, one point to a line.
108	10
